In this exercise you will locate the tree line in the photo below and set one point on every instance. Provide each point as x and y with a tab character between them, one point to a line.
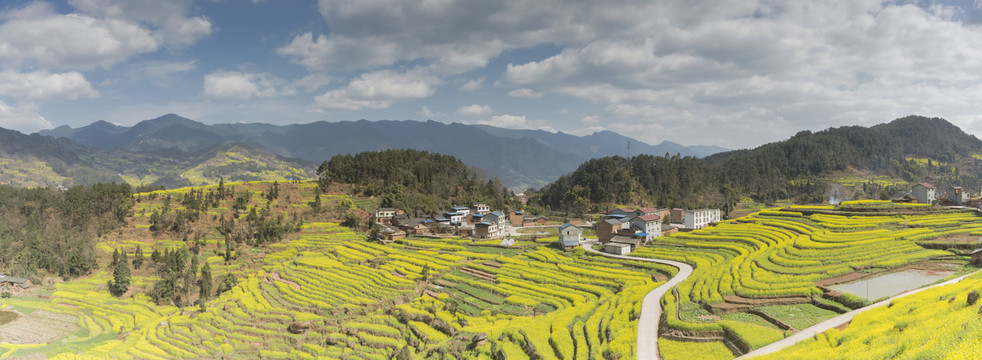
416	181
50	231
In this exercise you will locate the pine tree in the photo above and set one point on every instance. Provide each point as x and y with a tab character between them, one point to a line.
121	279
204	284
138	257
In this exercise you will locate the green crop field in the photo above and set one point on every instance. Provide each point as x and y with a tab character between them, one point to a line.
356	299
769	263
327	293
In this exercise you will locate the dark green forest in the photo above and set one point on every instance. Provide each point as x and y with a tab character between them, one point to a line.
796	169
415	180
46	229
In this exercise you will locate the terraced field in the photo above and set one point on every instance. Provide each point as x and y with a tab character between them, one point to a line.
938	323
757	279
328	293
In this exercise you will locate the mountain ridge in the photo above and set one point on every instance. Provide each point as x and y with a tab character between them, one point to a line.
520	158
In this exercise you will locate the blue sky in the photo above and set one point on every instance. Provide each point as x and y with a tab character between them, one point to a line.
730	73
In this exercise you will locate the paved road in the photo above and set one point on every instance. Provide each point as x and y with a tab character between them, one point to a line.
651	305
833	322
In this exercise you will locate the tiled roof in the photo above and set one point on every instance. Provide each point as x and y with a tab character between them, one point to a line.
651	217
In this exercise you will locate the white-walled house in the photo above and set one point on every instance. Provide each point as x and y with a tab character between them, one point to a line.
924	192
569	236
649	226
699	218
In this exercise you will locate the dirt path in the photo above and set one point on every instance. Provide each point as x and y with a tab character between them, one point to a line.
647	347
835	322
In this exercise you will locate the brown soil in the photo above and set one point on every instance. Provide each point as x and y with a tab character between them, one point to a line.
276	277
38	327
844	278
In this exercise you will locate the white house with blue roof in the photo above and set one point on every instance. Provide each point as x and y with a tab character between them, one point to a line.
569	236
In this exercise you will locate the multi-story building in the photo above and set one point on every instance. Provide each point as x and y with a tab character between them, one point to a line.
699	218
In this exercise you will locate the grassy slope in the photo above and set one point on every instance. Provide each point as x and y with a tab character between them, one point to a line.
358	298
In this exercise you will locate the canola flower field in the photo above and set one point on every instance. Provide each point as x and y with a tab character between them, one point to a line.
355	299
756	275
463	299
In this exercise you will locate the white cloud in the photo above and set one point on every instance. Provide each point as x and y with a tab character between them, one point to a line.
21	119
454	36
474	110
378	90
36	36
237	86
44	86
704	73
169	18
471	85
515	122
429	114
160	70
525	93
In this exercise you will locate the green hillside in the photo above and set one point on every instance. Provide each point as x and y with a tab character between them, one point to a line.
855	162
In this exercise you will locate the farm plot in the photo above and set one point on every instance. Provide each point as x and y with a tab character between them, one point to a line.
330	294
775	258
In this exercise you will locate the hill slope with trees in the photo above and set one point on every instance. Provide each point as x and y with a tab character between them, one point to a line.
803	168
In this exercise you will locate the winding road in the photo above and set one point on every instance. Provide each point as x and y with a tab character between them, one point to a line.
651	309
651	305
811	331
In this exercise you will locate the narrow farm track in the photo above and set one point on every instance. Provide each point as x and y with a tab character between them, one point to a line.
647	344
835	322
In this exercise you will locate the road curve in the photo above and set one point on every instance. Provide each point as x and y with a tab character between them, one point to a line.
813	330
647	348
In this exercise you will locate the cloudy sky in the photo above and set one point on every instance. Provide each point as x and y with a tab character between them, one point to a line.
732	73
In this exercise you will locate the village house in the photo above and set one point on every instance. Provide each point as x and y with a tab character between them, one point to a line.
534	221
668	229
516	217
924	192
569	236
606	229
977	257
495	217
648	226
455	217
415	227
678	216
486	230
699	218
463	210
633	241
617	248
388	233
480	208
623	212
957	195
384	215
14	284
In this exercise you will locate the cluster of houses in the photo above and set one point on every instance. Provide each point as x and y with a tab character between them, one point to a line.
476	220
925	193
624	230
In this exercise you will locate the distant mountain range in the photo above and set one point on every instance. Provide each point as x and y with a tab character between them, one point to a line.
520	158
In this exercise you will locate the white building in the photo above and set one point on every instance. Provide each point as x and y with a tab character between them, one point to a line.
569	236
699	218
384	214
924	192
480	208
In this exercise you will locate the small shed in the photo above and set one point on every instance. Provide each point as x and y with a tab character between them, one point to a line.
617	248
977	257
569	234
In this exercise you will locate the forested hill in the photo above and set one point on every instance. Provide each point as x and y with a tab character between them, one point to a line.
415	180
804	168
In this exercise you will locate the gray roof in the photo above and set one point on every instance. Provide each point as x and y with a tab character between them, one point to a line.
976	251
625	240
12	279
